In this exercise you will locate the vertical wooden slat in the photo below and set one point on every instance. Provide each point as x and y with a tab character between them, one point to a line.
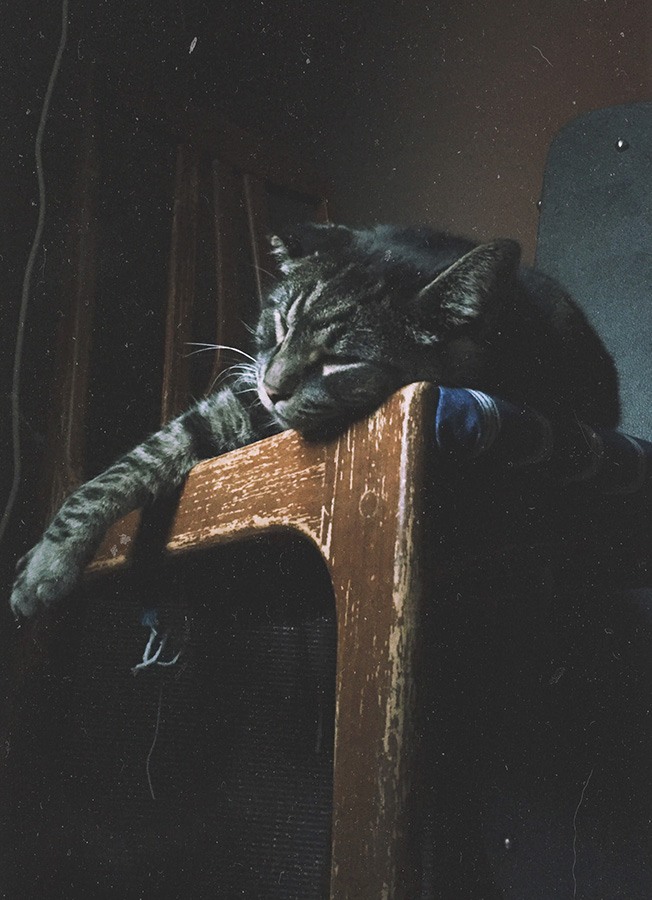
258	220
181	285
66	445
376	556
228	203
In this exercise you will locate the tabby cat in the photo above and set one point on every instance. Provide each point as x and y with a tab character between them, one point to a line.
354	316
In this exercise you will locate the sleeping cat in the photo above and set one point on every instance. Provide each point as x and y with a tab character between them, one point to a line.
354	316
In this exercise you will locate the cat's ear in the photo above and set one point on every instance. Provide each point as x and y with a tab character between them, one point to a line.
283	249
302	241
473	285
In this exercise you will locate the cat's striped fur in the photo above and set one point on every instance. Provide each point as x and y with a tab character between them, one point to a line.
354	316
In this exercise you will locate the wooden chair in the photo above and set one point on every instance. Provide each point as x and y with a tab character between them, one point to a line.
361	501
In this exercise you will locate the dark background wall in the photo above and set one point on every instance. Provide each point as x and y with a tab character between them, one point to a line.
421	111
457	131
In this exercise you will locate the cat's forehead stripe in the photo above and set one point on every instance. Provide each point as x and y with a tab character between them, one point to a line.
304	303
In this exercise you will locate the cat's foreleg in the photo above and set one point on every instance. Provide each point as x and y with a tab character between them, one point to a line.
152	469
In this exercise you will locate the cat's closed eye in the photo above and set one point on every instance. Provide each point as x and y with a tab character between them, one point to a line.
339	368
280	327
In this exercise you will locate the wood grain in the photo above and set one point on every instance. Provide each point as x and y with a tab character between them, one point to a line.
258	221
360	499
181	285
228	207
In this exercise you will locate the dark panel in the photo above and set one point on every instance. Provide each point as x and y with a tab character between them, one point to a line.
595	236
210	778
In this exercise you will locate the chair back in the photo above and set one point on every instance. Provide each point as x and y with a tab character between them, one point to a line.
595	236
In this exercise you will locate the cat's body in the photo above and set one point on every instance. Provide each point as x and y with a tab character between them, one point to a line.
355	316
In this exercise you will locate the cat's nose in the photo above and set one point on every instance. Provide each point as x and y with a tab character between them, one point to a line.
279	381
273	395
275	390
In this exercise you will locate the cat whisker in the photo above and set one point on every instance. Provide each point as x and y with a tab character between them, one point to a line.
248	377
242	366
219	378
265	271
251	390
204	347
243	372
195	352
244	377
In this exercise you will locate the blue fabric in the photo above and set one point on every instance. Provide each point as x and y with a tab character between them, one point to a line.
471	425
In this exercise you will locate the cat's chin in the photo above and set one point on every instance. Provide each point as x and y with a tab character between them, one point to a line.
312	429
322	432
322	429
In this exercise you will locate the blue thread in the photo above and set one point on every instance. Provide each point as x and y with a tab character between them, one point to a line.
149	618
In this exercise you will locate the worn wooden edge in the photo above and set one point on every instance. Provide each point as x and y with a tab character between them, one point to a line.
409	579
376	568
201	516
206	515
414	562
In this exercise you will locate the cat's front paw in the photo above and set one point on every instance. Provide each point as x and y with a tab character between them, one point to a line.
43	576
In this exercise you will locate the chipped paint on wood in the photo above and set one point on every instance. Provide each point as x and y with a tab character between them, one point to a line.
360	500
378	612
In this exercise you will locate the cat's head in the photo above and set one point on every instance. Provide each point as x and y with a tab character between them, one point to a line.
358	314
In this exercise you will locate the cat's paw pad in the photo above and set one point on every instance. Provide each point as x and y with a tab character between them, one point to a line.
44	575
